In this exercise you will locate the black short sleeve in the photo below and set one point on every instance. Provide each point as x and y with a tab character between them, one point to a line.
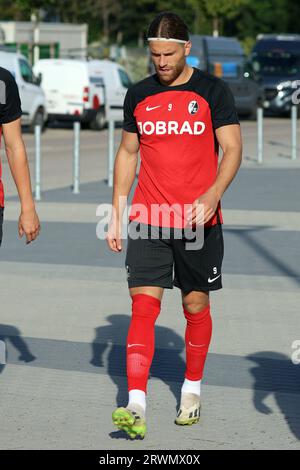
129	123
223	111
10	110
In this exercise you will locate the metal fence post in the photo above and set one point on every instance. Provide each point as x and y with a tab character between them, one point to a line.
259	134
76	157
111	151
294	131
37	135
2	352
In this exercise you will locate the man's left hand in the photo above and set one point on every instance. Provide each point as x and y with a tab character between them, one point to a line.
204	207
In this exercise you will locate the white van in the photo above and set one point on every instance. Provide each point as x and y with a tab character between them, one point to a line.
74	90
33	101
117	81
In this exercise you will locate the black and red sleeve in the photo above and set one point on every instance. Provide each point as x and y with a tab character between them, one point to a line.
10	110
129	123
223	110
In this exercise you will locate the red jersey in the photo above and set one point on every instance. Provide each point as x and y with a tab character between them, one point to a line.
1	184
10	109
178	146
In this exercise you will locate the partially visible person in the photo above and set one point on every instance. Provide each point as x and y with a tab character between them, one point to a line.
10	127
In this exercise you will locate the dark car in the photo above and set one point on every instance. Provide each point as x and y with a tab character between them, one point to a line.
275	63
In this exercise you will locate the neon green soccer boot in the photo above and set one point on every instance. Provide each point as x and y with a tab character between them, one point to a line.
131	420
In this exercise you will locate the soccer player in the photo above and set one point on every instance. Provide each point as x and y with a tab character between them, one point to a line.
10	126
177	118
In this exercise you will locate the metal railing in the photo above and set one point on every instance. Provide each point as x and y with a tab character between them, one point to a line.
260	133
76	160
111	149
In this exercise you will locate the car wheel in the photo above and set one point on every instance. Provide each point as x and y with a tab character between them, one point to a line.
38	120
99	121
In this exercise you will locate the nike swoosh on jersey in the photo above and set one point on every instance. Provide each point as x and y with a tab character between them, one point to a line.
153	107
212	280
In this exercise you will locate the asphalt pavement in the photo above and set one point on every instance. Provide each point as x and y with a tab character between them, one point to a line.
65	312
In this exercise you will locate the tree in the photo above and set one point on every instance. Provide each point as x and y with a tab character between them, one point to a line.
218	11
260	16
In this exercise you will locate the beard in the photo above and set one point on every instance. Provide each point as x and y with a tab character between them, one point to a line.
171	73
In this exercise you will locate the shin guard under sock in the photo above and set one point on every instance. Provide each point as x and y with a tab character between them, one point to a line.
140	340
197	339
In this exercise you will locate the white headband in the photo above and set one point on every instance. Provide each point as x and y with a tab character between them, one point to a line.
167	39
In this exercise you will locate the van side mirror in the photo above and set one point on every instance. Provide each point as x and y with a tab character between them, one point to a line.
38	79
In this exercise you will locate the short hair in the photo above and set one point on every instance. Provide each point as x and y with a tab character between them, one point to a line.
168	25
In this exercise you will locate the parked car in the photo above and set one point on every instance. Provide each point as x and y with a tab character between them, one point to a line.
91	91
33	100
74	90
117	81
275	64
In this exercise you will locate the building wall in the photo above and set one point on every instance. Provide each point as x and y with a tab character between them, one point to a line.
69	36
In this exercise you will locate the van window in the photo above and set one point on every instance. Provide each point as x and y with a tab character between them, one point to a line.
26	71
276	63
125	80
97	81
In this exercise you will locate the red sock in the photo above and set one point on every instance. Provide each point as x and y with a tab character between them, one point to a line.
197	338
140	340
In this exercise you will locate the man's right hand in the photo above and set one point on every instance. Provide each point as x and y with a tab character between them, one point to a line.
29	225
114	236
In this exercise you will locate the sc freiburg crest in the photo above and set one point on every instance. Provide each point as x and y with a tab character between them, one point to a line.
193	107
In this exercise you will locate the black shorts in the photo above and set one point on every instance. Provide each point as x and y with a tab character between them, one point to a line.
165	262
1	223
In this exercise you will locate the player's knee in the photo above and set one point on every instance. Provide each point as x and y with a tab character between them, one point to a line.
195	302
146	306
195	307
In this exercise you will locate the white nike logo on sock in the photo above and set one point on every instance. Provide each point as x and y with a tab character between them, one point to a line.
198	345
135	344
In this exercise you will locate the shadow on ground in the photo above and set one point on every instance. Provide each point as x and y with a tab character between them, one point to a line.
275	374
272	374
9	333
